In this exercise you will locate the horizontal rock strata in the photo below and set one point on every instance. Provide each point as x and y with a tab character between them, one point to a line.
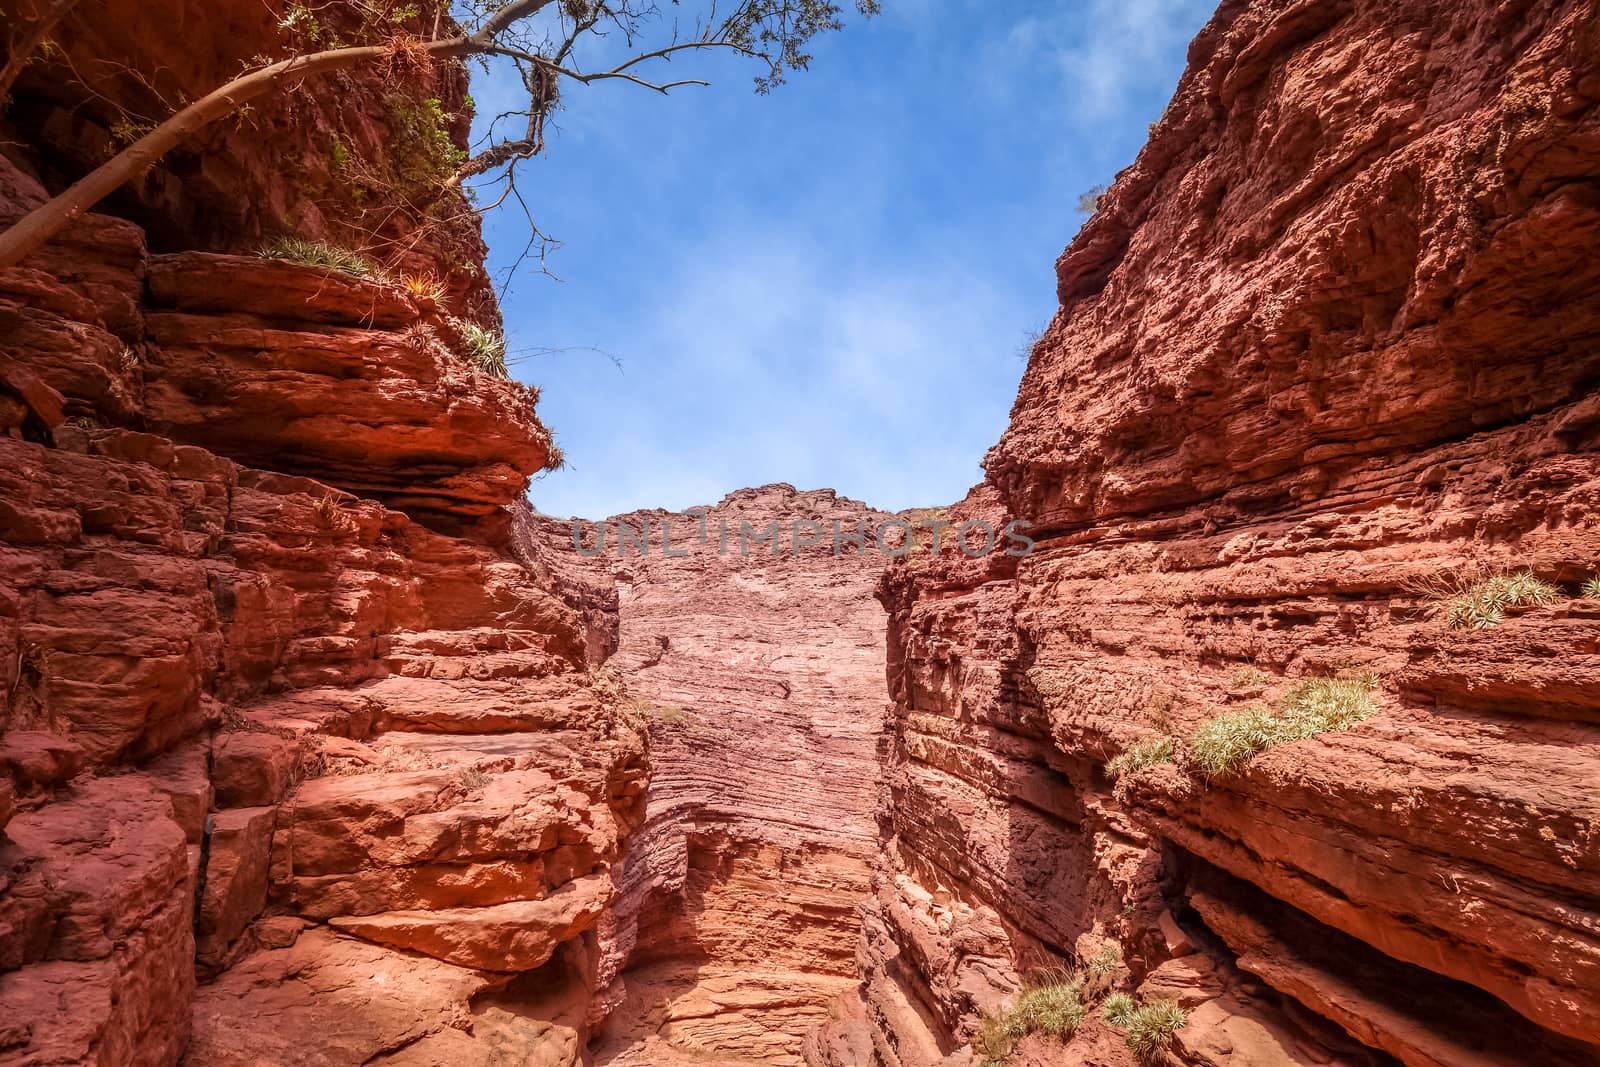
760	670
1325	355
291	772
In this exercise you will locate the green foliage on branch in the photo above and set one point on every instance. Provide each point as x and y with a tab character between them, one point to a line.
780	30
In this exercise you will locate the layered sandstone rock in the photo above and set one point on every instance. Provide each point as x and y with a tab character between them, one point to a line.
1329	341
307	755
760	669
291	776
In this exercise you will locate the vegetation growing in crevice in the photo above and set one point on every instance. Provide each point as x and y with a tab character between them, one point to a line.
1249	677
417	159
1116	1009
1480	601
484	348
680	719
472	779
320	254
555	458
1053	1008
1226	743
1146	753
1591	589
1147	1028
1054	1004
1484	604
424	287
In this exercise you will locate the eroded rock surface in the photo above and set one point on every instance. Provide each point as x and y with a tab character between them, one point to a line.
1329	342
292	773
307	753
761	676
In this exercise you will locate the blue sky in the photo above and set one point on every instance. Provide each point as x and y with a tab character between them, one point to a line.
827	286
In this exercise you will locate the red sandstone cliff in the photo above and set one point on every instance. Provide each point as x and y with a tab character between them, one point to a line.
1331	339
761	676
304	755
307	755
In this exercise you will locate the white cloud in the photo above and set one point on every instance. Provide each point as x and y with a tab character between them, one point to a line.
1099	53
802	369
828	286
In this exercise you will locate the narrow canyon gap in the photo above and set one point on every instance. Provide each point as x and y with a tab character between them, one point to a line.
320	746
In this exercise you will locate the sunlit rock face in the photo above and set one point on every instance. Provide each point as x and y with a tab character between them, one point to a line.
305	751
1326	344
317	747
239	702
761	676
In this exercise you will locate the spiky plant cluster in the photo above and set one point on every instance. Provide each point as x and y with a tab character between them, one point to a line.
1099	973
1324	705
1484	604
1591	589
1146	753
1225	743
485	348
1228	741
421	337
1148	1029
424	287
1107	960
320	254
1054	1008
1116	1010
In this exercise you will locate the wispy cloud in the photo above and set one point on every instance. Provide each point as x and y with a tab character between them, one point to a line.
771	361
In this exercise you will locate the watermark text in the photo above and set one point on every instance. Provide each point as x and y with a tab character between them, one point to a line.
671	535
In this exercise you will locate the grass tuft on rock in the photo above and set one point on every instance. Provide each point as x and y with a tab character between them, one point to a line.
472	779
1248	677
1117	1009
1146	753
310	253
1591	589
1055	1010
1483	604
1226	743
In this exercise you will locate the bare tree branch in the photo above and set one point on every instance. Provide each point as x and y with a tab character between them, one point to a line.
773	32
42	223
28	41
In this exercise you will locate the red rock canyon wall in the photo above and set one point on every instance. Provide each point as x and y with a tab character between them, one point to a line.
309	748
1332	339
305	755
761	676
